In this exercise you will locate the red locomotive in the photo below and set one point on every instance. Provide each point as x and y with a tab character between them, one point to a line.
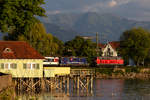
109	61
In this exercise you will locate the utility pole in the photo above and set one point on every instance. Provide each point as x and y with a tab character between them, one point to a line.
97	47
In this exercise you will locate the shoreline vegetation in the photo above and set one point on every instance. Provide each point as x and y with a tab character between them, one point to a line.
123	73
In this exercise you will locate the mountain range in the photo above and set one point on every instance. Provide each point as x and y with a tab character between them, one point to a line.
68	25
109	26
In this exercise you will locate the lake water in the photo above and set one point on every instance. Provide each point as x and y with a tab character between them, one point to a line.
103	89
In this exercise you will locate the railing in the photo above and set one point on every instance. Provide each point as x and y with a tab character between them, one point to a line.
82	71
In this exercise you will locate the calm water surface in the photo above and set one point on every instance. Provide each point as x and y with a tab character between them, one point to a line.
103	89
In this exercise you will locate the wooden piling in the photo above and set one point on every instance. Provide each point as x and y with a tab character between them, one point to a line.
42	84
78	79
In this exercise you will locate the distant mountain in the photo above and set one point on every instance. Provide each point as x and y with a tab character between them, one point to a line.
109	26
60	32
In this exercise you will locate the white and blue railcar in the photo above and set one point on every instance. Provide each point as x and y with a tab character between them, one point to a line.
50	61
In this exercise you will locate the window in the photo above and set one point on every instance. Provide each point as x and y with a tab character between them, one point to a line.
7	50
24	66
35	66
8	66
13	66
31	66
2	65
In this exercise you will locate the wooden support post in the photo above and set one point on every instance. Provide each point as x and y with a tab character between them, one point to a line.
64	82
74	78
52	82
78	79
87	83
42	84
15	82
68	83
48	85
39	88
31	83
60	82
91	84
19	83
78	85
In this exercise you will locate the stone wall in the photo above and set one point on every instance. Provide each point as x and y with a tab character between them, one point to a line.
123	73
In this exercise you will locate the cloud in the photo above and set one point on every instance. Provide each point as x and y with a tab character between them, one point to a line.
125	8
112	3
53	12
103	5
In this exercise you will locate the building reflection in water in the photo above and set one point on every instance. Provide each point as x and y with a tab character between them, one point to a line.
103	89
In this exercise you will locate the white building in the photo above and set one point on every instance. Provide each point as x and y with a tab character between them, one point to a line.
109	49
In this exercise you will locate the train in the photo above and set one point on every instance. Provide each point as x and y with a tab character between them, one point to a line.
109	61
65	61
82	61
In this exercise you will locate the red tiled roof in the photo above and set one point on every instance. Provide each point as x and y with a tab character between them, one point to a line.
18	50
101	45
115	44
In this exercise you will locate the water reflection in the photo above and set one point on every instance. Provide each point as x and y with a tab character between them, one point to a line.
107	89
103	89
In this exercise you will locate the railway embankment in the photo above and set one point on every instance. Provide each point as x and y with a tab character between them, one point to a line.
123	73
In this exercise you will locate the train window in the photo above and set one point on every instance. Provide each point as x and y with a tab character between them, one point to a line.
46	60
56	60
50	60
75	59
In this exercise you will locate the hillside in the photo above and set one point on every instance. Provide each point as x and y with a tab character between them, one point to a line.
109	26
60	32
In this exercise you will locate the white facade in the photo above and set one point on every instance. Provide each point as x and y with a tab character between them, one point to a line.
109	51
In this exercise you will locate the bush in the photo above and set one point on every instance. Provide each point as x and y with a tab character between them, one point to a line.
119	72
132	69
107	71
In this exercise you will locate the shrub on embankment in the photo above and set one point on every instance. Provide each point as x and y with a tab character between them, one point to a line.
123	72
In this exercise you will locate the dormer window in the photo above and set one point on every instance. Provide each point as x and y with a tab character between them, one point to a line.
7	50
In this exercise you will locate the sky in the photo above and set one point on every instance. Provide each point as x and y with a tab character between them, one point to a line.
131	9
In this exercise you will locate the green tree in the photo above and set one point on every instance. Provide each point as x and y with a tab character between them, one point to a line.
80	47
135	44
18	16
60	45
44	43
